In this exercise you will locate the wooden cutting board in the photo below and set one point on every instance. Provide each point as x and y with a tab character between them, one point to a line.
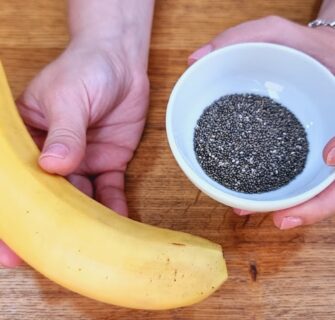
273	274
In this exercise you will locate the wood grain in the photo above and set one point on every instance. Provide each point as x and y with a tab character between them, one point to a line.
273	274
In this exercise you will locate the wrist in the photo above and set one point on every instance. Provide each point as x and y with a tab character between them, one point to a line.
114	48
124	26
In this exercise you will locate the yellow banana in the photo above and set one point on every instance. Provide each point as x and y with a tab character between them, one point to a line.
86	247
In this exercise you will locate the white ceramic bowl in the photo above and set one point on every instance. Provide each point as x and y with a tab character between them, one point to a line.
288	76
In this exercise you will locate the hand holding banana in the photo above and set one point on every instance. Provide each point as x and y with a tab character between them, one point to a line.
86	111
86	247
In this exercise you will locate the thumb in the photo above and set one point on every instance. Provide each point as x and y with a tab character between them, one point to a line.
64	147
329	153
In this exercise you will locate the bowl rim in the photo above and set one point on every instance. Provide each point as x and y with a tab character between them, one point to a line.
221	196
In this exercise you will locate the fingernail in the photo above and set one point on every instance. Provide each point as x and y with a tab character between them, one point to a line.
331	157
196	55
56	150
290	222
237	211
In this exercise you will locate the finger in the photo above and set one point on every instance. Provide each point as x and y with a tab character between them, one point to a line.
199	53
65	144
272	29
7	257
82	183
241	212
109	189
329	152
105	157
319	208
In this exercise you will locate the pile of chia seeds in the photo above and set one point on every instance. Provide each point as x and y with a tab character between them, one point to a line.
250	143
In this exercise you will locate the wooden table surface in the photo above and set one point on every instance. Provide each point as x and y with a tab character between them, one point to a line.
295	269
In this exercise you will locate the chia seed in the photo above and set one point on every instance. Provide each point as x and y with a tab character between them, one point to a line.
250	143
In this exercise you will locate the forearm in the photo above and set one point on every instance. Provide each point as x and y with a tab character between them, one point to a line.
115	24
327	10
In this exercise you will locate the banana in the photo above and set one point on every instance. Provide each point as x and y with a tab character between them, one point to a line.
86	247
